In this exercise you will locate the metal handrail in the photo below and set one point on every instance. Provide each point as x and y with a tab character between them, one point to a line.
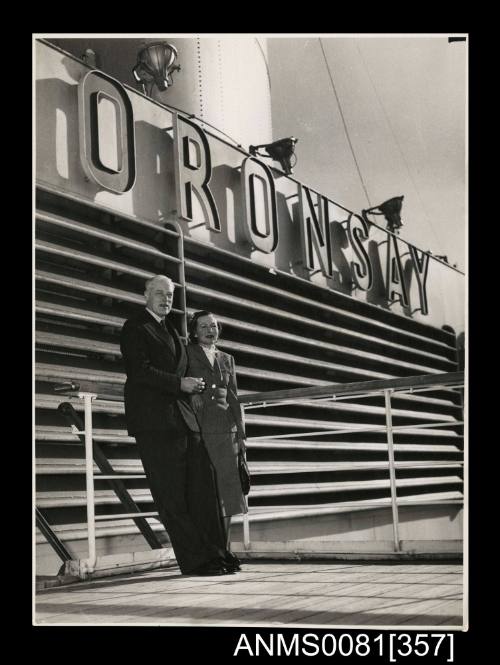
357	430
334	391
88	391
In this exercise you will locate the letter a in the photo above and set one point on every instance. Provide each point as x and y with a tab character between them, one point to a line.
243	638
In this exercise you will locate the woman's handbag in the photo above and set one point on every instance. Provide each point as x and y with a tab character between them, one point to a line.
244	473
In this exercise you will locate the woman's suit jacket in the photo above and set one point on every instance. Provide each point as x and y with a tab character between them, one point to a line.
217	408
220	418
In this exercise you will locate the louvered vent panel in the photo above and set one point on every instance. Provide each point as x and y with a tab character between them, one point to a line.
283	332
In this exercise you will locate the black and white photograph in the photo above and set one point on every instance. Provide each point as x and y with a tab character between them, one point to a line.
250	339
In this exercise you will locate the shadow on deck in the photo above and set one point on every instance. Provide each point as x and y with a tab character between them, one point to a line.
265	593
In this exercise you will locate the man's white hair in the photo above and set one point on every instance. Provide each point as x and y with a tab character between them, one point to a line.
150	282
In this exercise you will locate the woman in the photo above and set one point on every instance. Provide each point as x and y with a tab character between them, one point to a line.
219	414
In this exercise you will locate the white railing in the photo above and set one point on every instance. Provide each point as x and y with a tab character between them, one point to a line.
338	392
89	391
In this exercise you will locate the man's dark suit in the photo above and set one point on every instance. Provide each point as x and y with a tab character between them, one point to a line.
176	463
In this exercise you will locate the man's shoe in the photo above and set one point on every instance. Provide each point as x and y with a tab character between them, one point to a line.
232	568
208	569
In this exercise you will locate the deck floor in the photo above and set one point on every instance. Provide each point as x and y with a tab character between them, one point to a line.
267	594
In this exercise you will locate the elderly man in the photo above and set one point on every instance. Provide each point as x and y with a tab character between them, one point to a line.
158	415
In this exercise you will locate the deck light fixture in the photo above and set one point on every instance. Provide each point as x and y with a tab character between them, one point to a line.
391	209
155	64
89	57
282	151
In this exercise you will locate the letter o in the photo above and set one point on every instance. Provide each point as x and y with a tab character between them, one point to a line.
98	89
252	172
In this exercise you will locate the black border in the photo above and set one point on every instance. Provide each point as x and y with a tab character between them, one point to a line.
220	642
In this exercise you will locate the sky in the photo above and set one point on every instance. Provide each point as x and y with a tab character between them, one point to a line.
376	117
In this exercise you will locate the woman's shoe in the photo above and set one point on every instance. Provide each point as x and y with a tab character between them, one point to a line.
233	557
231	562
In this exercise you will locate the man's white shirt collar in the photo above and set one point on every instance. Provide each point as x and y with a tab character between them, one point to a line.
155	316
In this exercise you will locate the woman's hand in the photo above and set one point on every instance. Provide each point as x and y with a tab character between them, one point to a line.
242	447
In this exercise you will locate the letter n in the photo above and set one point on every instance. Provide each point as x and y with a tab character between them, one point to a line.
315	231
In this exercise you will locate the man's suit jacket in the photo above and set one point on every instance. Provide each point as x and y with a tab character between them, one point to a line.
217	408
155	361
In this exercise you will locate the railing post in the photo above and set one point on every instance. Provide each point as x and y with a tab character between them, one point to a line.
181	274
246	531
246	521
89	478
392	470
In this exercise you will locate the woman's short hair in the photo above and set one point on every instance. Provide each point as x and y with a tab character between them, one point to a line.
193	320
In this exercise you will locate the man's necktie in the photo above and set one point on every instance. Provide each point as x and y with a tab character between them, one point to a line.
169	336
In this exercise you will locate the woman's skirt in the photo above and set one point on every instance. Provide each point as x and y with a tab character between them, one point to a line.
222	448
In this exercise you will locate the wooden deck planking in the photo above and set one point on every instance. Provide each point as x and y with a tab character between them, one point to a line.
353	598
232	608
307	606
428	612
293	593
422	591
400	603
236	600
224	600
371	608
